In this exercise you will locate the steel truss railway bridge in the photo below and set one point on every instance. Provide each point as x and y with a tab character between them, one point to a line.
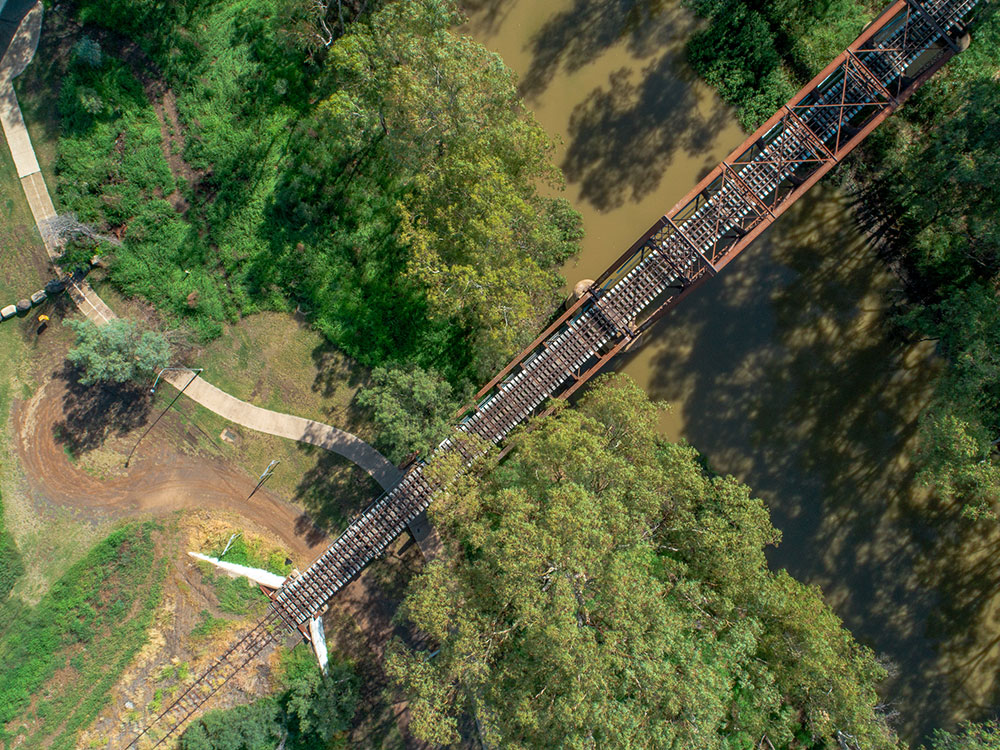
692	242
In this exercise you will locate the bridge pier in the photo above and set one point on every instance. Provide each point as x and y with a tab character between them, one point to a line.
425	536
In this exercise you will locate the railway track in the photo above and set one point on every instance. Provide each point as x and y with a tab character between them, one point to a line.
692	242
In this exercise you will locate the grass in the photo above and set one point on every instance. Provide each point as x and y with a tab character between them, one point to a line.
293	371
62	656
11	563
239	596
277	362
208	625
253	552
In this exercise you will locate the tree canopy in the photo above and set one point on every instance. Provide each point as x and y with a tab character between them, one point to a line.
985	736
757	54
116	352
423	162
413	409
308	711
600	589
363	162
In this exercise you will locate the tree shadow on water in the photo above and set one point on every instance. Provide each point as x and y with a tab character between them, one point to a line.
623	137
625	133
94	413
485	16
574	38
792	376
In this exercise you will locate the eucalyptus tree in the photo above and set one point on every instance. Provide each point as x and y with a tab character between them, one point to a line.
601	589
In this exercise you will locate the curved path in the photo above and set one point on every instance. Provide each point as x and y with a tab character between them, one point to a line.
16	57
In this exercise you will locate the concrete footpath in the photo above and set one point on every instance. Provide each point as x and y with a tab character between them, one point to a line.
289	426
18	54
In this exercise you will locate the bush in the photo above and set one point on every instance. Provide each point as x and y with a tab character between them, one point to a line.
88	52
116	352
309	711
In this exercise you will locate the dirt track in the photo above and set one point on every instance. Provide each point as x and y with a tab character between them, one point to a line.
158	481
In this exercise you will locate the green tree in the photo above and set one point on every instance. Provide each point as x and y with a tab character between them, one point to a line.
954	457
984	736
958	432
949	188
601	590
418	176
256	726
318	706
757	54
308	711
116	352
414	410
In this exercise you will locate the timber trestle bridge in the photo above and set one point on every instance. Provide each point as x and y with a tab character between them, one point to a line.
709	227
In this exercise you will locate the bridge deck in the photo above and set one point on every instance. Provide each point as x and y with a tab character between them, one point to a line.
740	198
698	237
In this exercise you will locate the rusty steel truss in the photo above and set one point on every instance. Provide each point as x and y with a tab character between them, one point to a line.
692	242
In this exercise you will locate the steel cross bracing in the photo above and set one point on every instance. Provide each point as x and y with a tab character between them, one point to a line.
710	226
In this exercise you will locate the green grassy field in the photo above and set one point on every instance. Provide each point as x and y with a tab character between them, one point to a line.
62	656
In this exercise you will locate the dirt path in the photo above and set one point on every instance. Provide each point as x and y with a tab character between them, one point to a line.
158	482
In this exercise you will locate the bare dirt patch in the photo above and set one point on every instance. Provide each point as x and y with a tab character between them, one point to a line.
174	654
171	477
159	479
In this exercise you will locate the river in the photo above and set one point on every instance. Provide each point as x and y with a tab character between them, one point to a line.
785	370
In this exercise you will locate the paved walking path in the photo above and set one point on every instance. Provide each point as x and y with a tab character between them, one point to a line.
15	59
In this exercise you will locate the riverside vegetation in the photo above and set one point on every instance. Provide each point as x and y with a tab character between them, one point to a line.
374	169
306	711
386	184
933	173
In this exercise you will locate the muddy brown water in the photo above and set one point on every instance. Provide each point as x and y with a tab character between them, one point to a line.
784	370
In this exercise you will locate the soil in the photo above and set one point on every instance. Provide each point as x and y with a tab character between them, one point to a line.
159	480
57	434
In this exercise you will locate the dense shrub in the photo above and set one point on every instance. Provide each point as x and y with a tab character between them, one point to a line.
312	178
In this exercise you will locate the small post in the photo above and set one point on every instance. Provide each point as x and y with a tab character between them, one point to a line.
196	371
229	544
264	477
